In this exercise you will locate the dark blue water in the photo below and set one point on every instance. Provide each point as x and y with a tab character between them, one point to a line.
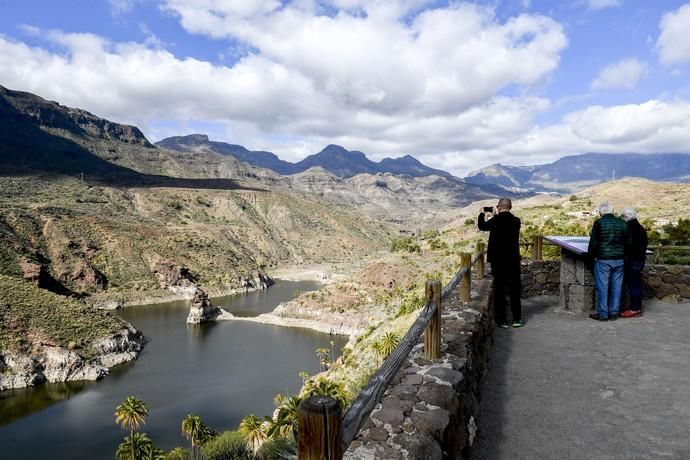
221	371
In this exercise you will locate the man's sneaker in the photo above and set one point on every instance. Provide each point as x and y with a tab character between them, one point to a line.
518	323
631	313
503	326
597	317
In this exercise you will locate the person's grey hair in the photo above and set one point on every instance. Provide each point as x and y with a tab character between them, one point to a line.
628	214
605	208
505	203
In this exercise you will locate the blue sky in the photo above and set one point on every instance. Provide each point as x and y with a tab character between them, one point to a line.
459	85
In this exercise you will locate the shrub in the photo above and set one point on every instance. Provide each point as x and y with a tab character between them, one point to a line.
405	244
276	449
435	244
179	453
229	445
470	221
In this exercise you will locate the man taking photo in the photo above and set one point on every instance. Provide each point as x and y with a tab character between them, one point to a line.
503	254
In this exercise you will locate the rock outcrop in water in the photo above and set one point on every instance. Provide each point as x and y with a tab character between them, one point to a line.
202	311
51	363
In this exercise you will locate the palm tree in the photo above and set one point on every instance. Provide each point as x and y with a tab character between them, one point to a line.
285	419
321	386
131	414
194	429
252	427
138	446
324	361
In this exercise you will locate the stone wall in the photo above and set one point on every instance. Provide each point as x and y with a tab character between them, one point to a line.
540	277
669	282
429	411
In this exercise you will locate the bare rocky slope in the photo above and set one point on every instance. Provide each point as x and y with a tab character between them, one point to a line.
46	337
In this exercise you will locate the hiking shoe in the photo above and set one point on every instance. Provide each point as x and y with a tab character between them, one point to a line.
597	317
613	317
503	326
518	323
631	313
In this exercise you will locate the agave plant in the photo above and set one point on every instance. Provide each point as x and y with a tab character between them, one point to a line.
388	342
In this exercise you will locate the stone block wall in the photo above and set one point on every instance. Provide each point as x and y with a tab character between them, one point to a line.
669	282
429	411
540	277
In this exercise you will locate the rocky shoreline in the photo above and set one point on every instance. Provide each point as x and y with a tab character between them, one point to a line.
174	293
287	321
49	363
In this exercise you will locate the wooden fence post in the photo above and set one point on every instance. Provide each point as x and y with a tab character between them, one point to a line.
319	421
537	245
466	281
432	333
480	261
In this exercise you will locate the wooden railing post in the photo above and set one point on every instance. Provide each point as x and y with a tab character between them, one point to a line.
480	261
537	245
432	333
319	421
466	281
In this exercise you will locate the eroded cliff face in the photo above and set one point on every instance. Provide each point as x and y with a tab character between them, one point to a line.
45	362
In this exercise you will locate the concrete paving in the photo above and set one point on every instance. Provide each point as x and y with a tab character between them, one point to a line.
568	387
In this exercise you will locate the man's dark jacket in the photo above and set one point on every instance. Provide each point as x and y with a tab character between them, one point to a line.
609	238
637	250
504	239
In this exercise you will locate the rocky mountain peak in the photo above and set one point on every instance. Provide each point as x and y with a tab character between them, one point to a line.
55	116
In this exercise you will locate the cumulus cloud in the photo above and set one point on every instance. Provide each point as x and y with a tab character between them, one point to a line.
624	74
673	43
600	4
365	80
649	127
449	85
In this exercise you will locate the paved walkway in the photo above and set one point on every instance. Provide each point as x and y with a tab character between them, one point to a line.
568	387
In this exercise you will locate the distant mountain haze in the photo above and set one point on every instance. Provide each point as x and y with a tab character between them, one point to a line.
576	172
333	158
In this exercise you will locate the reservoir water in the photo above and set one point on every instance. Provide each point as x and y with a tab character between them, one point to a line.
220	371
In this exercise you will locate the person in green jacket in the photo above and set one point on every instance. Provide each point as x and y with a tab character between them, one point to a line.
607	243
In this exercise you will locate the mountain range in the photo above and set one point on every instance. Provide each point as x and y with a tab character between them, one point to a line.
333	158
575	172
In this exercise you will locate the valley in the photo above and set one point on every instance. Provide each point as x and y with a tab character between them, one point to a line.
94	217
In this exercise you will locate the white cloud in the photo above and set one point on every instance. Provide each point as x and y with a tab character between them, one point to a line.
119	7
600	4
624	74
415	86
673	43
650	127
432	85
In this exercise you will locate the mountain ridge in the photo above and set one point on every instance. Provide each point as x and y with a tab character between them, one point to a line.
575	172
334	158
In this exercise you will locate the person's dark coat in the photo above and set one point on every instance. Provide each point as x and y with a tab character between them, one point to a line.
609	238
637	249
504	239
